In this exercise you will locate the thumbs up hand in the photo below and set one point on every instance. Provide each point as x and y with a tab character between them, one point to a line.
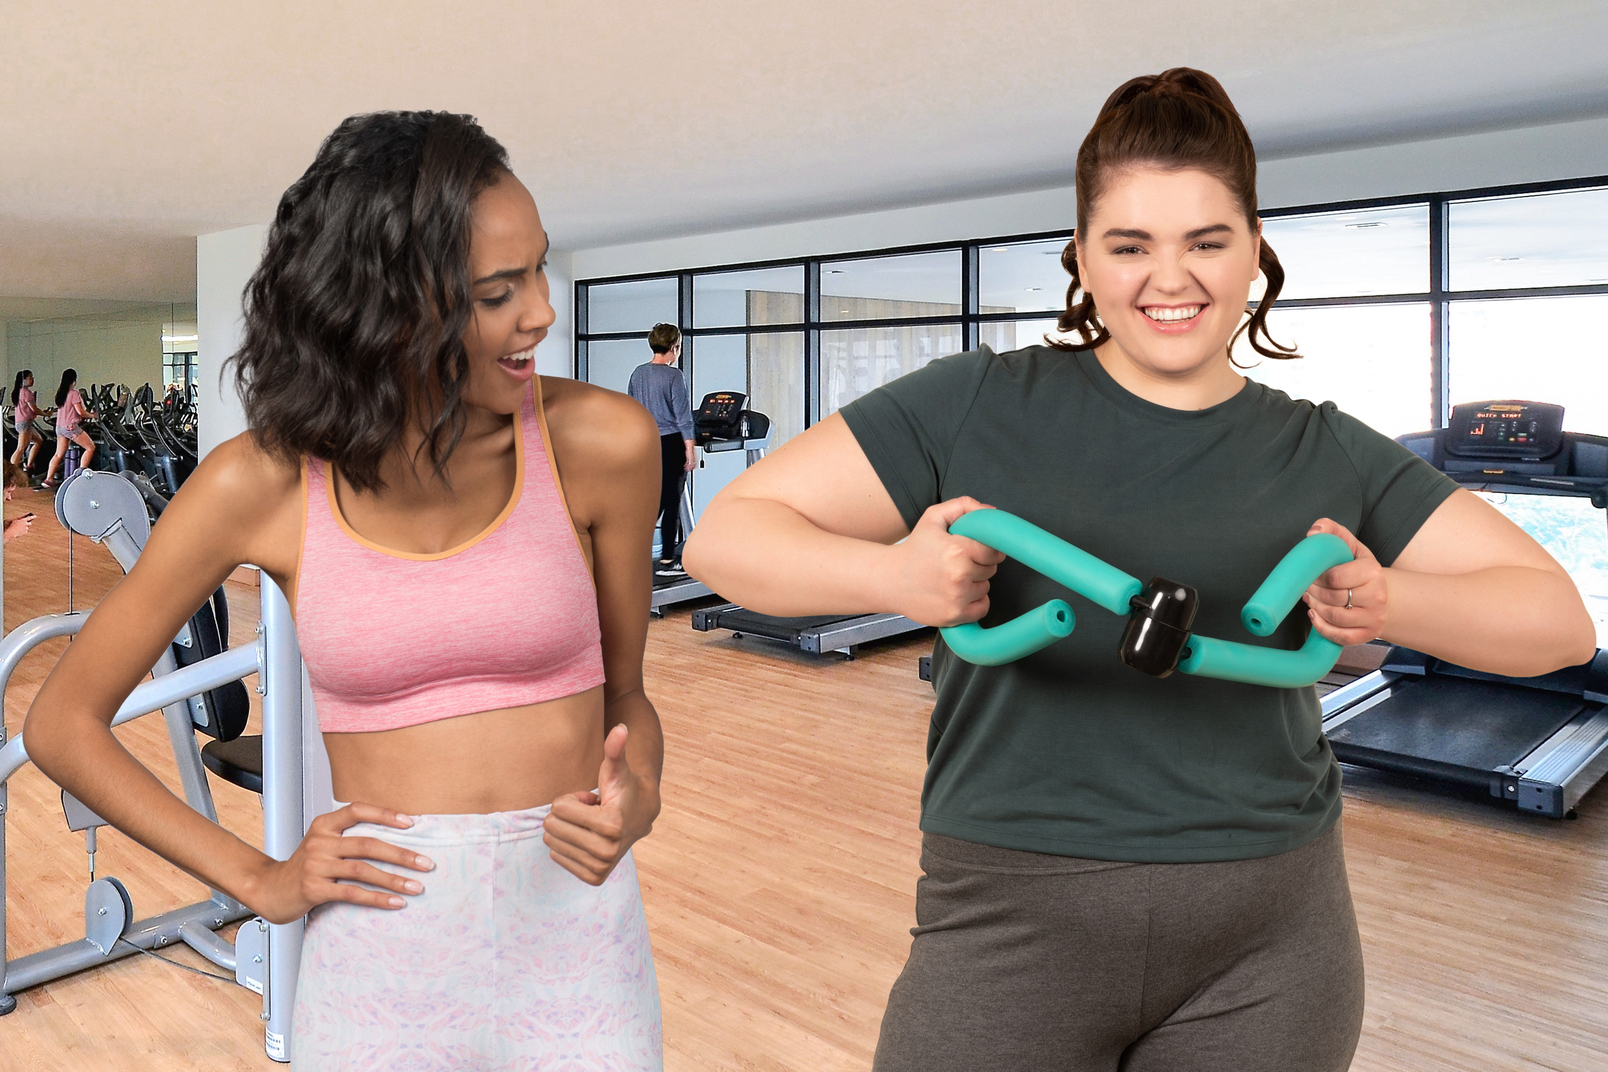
588	833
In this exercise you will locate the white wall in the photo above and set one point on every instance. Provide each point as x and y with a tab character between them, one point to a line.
125	347
1531	154
556	355
224	262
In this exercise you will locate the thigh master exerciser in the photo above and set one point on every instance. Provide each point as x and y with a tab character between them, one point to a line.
1157	639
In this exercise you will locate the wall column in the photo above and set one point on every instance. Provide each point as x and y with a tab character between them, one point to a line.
224	262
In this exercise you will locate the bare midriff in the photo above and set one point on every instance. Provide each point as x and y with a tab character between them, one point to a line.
508	760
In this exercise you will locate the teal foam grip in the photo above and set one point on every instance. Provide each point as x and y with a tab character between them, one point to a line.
1050	555
1272	667
1016	639
1295	573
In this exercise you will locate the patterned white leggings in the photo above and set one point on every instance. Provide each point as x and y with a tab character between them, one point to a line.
505	962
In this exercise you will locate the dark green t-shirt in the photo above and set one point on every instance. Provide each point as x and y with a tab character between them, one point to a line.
1069	751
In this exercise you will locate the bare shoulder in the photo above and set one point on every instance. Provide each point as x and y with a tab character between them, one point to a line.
607	429
240	473
250	497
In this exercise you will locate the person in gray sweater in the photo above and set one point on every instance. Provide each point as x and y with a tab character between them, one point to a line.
660	387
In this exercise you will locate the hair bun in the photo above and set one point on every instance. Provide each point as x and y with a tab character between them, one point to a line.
1179	81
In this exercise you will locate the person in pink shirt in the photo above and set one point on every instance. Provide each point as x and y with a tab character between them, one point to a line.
70	415
27	403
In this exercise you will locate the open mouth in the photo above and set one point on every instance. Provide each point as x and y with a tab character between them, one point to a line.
517	362
1176	314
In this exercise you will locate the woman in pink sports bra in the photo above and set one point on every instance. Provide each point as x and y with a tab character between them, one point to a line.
465	547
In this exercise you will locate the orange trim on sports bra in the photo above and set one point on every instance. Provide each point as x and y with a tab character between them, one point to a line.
301	548
552	464
419	556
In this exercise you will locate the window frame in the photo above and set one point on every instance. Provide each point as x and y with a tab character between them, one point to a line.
1436	293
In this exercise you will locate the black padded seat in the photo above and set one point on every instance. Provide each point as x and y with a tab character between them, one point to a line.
238	761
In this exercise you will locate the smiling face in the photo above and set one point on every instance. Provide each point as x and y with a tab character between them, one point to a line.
507	270
1169	258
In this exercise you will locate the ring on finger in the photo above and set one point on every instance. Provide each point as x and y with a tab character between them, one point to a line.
1348	599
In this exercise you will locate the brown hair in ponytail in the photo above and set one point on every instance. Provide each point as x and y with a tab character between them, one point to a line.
1180	118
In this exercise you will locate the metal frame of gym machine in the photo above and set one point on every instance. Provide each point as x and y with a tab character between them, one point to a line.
265	956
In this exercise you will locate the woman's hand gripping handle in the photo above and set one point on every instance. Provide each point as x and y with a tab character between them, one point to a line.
939	578
1350	603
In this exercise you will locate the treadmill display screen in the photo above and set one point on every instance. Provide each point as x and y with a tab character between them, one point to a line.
1503	426
1530	430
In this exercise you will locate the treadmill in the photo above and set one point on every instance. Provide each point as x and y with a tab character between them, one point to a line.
672	588
816	634
720	424
722	414
1537	743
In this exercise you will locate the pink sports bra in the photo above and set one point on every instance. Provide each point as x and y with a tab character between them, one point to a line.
395	638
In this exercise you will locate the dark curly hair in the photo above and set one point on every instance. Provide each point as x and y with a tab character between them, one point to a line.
354	320
1180	118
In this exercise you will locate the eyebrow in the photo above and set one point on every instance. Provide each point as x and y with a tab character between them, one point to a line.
515	273
1190	236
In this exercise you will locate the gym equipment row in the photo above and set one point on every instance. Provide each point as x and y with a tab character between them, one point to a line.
133	431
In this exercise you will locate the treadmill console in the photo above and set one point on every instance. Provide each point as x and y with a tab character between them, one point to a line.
1511	446
722	424
719	416
1523	431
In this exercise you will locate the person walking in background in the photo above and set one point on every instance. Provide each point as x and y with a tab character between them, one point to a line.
660	387
70	415
27	408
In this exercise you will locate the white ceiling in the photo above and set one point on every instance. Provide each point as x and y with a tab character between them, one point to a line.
126	130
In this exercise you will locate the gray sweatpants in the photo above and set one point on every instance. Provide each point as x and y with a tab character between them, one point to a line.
1025	961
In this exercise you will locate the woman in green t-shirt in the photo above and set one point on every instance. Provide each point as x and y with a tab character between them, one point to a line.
1126	871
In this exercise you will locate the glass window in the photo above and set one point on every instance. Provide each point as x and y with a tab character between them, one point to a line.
878	288
718	363
1352	253
635	306
769	369
856	361
609	362
1001	336
776	382
1543	240
178	369
1025	277
1373	361
1573	532
741	299
1537	349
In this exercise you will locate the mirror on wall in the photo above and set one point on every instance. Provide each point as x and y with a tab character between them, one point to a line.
133	365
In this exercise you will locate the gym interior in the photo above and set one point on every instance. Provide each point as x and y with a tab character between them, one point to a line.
825	198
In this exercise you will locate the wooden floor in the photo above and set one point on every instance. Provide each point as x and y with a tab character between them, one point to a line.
780	880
